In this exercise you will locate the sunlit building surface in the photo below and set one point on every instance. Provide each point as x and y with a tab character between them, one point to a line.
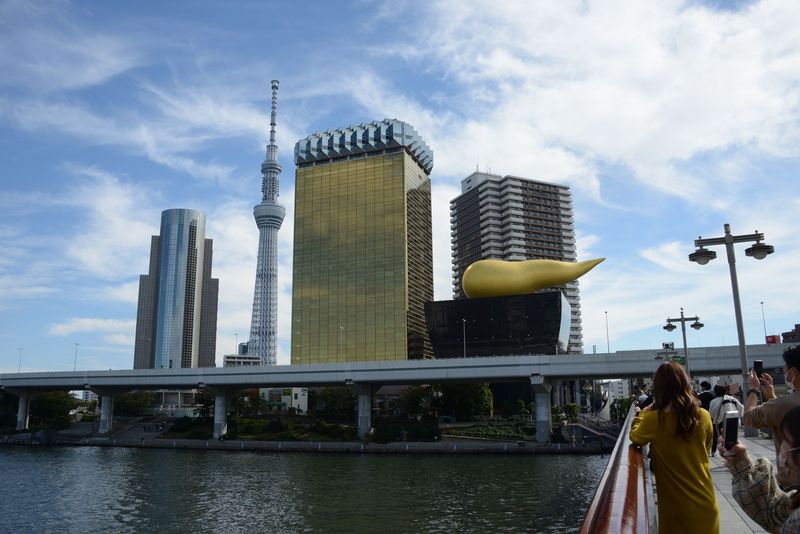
176	318
513	218
363	260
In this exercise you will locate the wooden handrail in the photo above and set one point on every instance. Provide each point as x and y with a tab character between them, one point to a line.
622	502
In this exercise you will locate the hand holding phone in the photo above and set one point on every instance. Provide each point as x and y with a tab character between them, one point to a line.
731	429
758	367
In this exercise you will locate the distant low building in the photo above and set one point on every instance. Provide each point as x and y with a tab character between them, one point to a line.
239	360
283	399
792	336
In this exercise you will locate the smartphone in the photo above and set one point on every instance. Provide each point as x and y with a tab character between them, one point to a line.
758	367
731	429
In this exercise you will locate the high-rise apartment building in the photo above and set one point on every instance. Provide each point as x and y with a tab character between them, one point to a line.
513	218
363	259
176	319
269	217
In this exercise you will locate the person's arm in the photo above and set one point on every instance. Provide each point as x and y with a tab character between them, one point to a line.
739	407
643	427
767	386
709	430
756	489
755	416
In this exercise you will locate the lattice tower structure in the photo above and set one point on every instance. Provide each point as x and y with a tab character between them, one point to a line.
269	216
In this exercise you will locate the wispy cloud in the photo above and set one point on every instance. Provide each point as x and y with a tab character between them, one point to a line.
90	325
119	222
43	50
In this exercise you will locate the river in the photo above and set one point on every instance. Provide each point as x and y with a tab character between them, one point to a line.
94	489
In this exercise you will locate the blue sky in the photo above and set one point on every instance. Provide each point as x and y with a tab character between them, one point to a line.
666	118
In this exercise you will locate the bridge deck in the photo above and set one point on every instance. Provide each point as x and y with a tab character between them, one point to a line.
732	517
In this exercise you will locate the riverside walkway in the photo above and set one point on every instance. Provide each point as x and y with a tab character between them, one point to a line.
627	495
732	518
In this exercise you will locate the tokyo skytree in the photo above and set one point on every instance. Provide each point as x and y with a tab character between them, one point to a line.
269	217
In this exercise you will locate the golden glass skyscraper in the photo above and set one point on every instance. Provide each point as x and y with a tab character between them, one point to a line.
363	259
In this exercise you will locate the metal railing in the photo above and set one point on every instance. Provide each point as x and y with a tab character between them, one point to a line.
623	502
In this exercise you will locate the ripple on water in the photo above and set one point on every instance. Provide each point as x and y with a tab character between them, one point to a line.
88	489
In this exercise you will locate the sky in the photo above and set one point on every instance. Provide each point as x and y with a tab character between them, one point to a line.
667	119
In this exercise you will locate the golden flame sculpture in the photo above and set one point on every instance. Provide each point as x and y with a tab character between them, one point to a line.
499	278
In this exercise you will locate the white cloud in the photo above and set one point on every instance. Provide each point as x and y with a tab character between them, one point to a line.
114	239
127	292
127	340
552	89
91	325
42	50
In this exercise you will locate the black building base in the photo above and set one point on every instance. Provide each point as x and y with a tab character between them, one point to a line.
537	323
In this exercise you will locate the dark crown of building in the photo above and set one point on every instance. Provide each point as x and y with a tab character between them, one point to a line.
359	140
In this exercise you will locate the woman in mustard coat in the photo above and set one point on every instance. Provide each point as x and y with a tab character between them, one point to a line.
680	434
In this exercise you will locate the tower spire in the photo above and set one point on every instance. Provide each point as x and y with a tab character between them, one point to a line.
269	217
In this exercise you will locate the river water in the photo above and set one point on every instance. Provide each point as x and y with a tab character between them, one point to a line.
89	489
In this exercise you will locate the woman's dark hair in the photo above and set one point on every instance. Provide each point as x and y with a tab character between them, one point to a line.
720	391
790	428
672	389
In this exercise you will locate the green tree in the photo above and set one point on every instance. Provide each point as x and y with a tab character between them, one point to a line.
51	410
522	409
571	410
203	403
619	408
340	402
8	410
412	400
467	400
247	403
133	404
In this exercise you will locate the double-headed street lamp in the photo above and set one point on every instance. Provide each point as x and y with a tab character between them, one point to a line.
758	251
670	326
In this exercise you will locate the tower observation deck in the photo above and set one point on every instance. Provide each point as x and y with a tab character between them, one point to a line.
269	217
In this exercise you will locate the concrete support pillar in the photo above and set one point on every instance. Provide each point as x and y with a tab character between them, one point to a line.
364	409
557	392
106	413
541	392
220	413
23	411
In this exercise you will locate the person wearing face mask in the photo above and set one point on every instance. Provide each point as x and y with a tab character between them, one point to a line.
755	486
771	413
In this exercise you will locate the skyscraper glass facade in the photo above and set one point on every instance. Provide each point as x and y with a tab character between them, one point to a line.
172	304
363	266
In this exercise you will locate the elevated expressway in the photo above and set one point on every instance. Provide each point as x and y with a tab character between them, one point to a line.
366	377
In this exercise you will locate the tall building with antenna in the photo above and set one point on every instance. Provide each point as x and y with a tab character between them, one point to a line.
269	217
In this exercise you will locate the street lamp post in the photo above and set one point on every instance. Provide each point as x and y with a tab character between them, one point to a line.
75	363
608	339
19	365
339	344
464	335
758	251
670	326
764	320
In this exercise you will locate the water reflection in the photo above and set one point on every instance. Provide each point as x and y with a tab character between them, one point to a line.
131	490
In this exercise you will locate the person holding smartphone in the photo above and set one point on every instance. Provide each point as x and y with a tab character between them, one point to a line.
771	413
679	432
722	404
755	486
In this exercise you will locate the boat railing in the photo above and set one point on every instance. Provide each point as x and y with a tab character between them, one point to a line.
624	500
